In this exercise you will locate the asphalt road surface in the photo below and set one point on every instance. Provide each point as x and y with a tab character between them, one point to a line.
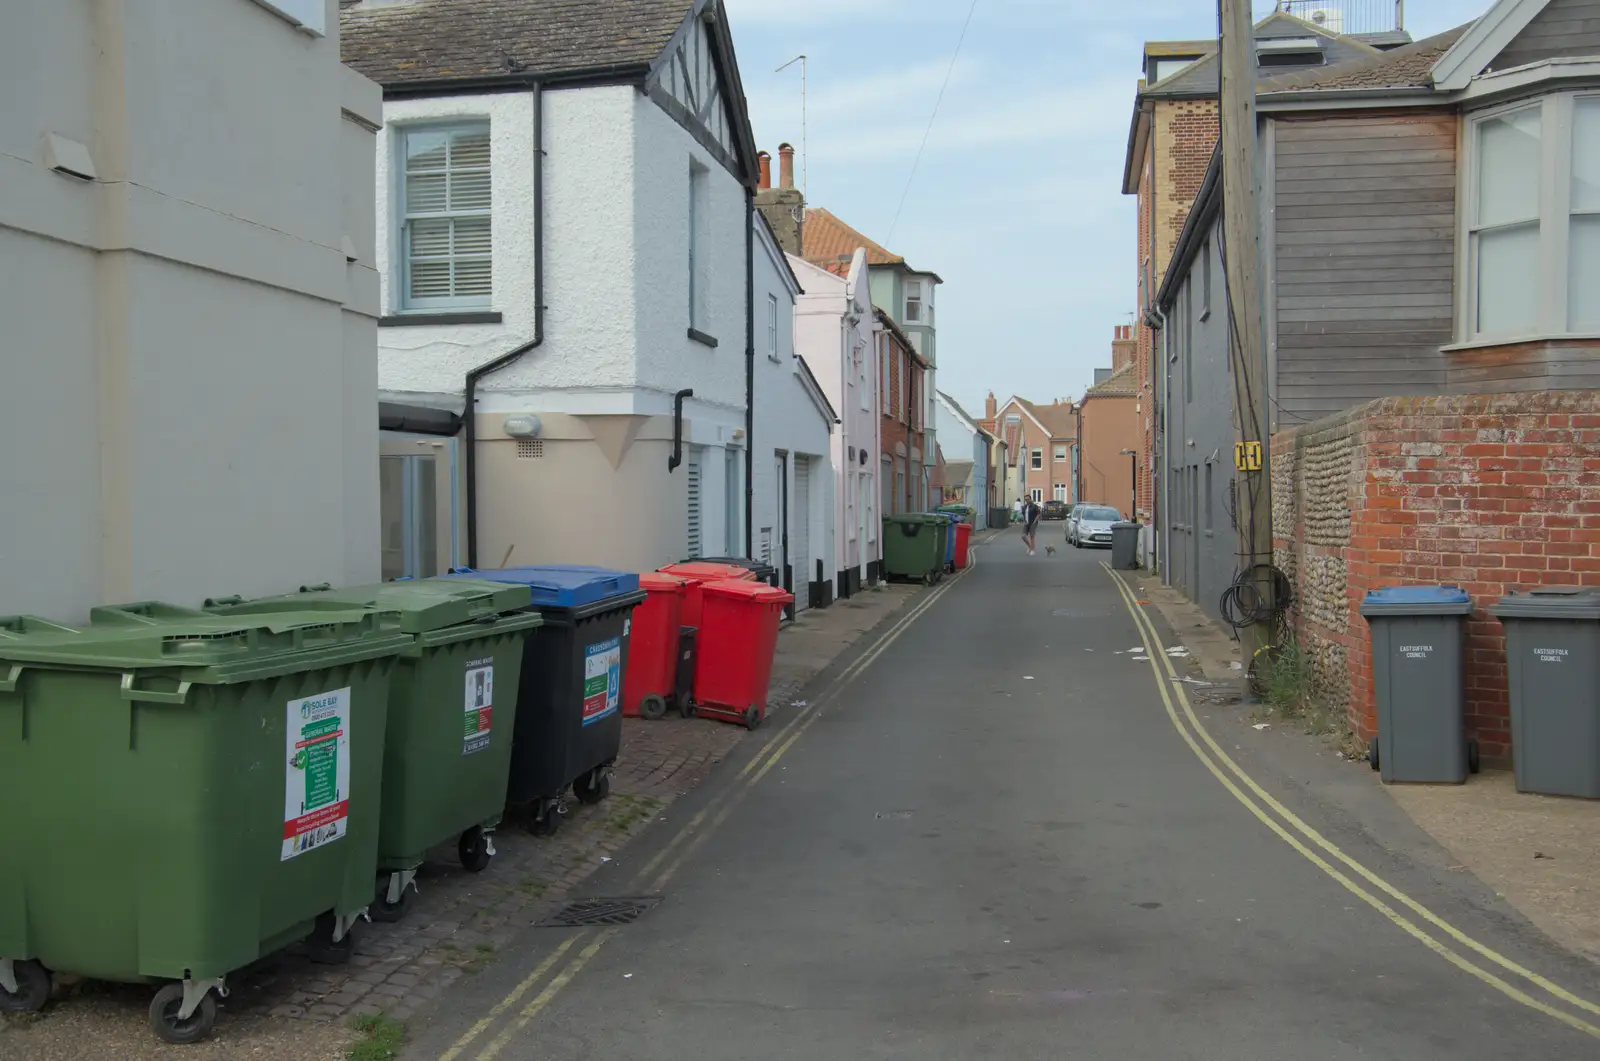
995	841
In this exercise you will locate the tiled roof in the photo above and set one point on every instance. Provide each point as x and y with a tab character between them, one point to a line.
434	40
1059	420
1203	77
1120	384
1407	67
830	243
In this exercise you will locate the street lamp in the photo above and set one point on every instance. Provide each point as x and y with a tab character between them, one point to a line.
1133	463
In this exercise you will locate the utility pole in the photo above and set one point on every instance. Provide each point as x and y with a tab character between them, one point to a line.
1241	219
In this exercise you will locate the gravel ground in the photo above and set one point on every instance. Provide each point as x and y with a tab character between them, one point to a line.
107	1023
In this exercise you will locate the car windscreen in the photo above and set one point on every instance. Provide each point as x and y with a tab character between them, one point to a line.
1101	515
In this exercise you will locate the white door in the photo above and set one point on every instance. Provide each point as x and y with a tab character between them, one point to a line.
800	534
696	543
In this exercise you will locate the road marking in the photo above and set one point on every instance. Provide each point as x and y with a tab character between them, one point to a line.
532	1010
509	1001
723	806
1158	659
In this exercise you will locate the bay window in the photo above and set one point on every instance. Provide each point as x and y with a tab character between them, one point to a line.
1533	220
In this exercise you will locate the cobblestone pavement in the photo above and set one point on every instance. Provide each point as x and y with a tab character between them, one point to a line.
458	921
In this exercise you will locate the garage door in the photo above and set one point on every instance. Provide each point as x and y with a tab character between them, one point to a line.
800	534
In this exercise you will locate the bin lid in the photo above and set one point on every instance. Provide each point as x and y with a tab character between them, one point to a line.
420	605
759	592
208	648
1417	600
707	571
659	582
916	517
561	585
1549	602
731	561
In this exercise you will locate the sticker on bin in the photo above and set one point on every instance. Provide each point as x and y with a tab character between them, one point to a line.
479	710
316	805
602	679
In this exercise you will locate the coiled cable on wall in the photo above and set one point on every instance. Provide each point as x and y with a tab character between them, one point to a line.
1244	604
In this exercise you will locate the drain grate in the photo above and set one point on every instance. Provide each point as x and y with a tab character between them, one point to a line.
587	913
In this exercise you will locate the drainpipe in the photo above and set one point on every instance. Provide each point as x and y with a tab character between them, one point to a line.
677	429
749	369
470	412
1153	316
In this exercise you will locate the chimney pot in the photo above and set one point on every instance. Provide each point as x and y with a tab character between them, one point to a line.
766	169
786	165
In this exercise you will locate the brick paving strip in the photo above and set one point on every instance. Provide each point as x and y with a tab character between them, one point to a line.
283	1006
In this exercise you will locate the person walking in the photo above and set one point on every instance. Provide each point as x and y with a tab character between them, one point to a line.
1016	511
1030	525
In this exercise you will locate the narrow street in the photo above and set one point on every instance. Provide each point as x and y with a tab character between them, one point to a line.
993	841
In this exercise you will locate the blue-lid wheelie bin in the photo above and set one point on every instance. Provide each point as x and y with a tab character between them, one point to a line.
568	727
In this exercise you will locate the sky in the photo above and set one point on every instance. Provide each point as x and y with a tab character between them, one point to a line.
1017	201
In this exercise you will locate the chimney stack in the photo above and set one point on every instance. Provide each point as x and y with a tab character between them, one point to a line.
766	169
989	407
786	165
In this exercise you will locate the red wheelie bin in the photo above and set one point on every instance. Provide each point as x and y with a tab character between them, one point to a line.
648	684
963	544
738	636
699	572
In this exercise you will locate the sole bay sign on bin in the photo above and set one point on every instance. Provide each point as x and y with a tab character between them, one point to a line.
602	679
316	806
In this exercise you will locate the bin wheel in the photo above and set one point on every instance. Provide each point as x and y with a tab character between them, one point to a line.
1372	753
473	850
1472	756
321	948
547	821
165	1022
686	707
33	989
653	707
387	912
592	787
752	717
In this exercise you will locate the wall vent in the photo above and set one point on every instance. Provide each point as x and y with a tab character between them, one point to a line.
530	449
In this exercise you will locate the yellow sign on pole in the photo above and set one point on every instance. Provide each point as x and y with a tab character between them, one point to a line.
1247	456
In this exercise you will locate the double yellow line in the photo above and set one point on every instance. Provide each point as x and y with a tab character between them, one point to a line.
661	868
1353	876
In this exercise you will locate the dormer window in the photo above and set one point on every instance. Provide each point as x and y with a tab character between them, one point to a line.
1164	67
1288	51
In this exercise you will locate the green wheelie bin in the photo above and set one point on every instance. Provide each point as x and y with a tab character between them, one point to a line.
452	706
914	546
188	793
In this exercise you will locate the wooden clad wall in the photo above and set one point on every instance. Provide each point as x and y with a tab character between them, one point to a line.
1564	27
1363	251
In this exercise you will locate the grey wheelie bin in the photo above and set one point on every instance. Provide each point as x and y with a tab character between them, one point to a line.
187	793
1418	653
1553	657
1125	545
451	716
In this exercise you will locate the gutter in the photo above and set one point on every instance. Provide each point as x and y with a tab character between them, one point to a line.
587	76
1158	496
470	409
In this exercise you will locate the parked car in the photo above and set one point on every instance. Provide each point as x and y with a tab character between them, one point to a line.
1090	524
1055	510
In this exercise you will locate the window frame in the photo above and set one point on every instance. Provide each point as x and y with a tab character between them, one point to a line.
1058	454
400	268
1556	115
913	285
1035	459
772	327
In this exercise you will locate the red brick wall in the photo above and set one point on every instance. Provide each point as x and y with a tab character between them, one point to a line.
1489	492
904	373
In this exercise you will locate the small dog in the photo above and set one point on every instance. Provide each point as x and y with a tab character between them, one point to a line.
1049	550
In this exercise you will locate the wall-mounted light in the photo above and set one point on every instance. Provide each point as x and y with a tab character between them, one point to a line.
521	426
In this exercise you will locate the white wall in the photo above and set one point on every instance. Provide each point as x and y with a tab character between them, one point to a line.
832	319
788	418
196	411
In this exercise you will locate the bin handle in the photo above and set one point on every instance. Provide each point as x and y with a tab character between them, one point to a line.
8	683
316	587
223	602
152	696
